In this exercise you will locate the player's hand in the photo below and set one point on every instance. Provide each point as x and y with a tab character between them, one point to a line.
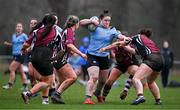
84	56
96	22
7	43
102	50
24	51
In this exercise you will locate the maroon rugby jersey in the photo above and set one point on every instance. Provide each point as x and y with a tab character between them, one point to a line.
68	37
123	56
39	40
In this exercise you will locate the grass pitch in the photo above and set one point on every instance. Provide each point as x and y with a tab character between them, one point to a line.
74	96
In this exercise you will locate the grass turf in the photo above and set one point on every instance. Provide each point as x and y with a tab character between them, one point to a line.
74	96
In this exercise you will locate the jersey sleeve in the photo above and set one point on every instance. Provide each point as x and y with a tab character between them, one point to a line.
25	37
69	37
116	33
29	40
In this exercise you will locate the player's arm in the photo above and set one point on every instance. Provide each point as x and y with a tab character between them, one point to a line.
75	50
84	22
25	48
7	43
130	49
113	45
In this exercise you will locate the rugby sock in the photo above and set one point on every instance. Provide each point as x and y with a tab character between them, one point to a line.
10	84
45	98
97	93
157	100
57	93
128	83
100	85
87	96
140	95
106	90
52	91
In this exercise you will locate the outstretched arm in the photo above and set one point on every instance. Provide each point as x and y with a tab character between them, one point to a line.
75	50
25	48
113	45
7	43
130	49
89	21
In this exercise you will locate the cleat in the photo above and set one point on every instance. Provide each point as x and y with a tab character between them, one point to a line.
25	97
100	99
158	103
123	95
139	100
89	101
7	86
57	99
45	102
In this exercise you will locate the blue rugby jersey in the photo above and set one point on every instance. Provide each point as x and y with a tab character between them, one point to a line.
100	38
17	43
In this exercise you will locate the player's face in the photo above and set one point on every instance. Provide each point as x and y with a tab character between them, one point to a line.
77	25
106	21
33	23
19	28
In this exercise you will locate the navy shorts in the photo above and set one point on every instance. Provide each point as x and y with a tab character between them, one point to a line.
102	62
19	58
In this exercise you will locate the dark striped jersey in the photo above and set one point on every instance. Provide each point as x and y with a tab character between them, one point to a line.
144	45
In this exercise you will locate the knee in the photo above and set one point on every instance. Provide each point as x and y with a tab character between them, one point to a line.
150	84
11	69
73	78
93	79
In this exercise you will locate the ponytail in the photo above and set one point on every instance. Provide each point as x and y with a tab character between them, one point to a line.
71	21
104	14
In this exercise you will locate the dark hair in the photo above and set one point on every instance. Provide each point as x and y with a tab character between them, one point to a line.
104	14
48	21
146	31
71	21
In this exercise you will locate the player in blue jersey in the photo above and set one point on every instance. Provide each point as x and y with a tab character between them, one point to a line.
102	34
18	39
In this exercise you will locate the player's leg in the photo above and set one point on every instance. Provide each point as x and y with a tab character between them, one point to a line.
69	77
114	75
23	78
131	70
153	87
93	72
142	72
12	68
